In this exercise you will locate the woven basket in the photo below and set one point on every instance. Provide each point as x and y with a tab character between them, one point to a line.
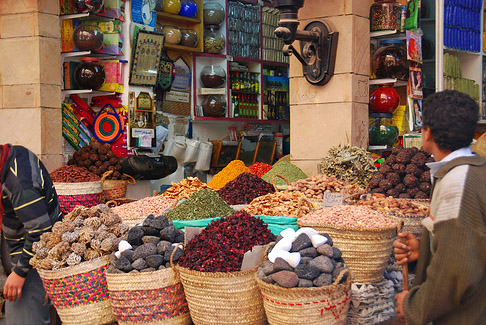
148	297
280	187
316	305
223	298
79	292
365	251
70	195
114	189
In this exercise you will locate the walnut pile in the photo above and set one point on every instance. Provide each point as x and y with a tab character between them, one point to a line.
84	234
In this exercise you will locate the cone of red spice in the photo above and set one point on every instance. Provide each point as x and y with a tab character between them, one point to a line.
244	188
259	168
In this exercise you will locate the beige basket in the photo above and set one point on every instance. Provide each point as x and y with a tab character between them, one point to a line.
79	293
70	195
114	189
223	298
365	251
316	305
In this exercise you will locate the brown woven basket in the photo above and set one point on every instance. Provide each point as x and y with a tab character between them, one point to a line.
365	251
79	293
279	187
114	189
316	305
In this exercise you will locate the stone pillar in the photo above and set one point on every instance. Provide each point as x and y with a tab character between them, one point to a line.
30	77
336	113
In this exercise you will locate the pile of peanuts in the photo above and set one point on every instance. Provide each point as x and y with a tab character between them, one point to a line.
155	205
314	187
395	206
278	204
184	189
349	216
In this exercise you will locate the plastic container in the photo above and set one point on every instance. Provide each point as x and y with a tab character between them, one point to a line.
214	40
171	6
190	155
203	161
188	37
87	37
214	106
188	8
213	76
279	140
173	34
213	13
382	132
385	15
390	60
89	74
384	100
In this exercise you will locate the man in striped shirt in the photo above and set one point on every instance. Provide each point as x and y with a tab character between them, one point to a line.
29	207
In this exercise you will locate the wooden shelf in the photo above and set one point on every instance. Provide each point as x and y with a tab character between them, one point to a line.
241	120
178	18
174	47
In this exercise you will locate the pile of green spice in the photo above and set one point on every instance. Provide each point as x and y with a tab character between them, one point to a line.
291	172
201	205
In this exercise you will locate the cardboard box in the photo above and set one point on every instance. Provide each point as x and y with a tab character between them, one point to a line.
113	76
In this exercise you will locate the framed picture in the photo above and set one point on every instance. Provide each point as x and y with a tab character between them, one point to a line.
415	116
415	87
146	58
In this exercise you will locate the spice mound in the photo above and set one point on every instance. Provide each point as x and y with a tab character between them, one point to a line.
244	188
147	248
349	216
259	168
220	247
227	174
394	206
73	174
315	187
284	204
285	168
201	205
150	205
83	235
184	189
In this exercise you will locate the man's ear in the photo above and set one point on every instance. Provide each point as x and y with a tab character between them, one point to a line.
426	134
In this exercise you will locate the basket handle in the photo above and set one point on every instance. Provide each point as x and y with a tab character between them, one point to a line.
105	175
341	276
111	202
130	180
172	255
282	177
309	203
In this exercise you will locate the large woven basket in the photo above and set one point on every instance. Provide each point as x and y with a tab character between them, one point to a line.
79	293
317	305
115	189
148	297
223	298
365	251
70	195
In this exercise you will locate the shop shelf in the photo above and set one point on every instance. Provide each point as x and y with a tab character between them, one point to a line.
84	14
73	54
210	55
242	120
211	91
173	47
394	81
384	34
271	63
68	92
177	18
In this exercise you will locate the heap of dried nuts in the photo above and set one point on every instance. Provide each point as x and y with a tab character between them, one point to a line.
73	174
83	235
278	204
349	216
395	206
150	205
184	189
228	173
259	168
314	187
221	245
244	188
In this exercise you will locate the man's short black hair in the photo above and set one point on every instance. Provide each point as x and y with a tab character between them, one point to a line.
452	117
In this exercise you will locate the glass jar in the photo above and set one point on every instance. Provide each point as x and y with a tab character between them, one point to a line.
385	15
214	106
213	13
382	132
173	34
87	37
171	6
89	74
188	8
189	37
214	40
384	99
93	6
213	76
390	60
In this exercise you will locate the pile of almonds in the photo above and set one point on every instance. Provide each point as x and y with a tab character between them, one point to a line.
278	204
393	205
155	205
184	189
314	187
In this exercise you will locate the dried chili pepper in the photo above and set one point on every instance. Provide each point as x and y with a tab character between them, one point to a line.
259	168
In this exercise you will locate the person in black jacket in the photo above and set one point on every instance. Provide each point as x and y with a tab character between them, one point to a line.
29	207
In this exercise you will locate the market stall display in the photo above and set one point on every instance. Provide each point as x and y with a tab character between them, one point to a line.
184	189
72	259
403	174
288	170
114	189
244	188
135	212
259	168
227	174
279	204
364	236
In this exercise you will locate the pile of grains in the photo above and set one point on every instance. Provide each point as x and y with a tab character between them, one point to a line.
244	188
184	189
285	204
201	205
291	172
349	216
395	206
73	174
259	168
220	247
83	235
150	205
227	174
314	187
352	164
147	248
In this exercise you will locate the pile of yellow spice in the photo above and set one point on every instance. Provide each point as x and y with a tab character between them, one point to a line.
228	173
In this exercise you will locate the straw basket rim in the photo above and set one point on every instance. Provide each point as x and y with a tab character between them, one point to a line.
75	269
78	188
359	229
151	279
215	274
